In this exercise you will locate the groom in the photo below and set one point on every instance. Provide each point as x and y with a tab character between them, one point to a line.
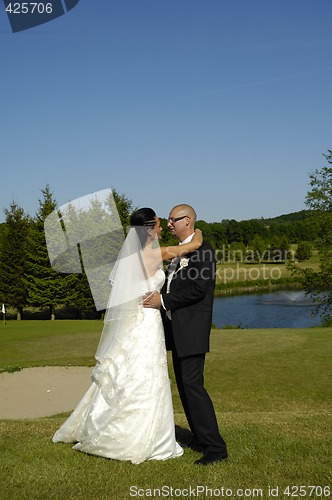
186	302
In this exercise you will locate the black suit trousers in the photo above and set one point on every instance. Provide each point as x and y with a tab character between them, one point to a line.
197	404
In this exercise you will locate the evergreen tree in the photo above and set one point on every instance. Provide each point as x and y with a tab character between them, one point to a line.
124	206
99	238
13	247
46	287
81	299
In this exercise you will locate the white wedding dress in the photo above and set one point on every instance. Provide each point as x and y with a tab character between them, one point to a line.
127	412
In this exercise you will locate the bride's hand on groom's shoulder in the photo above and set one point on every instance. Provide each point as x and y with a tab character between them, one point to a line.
198	235
152	300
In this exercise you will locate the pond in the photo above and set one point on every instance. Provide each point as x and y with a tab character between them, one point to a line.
278	309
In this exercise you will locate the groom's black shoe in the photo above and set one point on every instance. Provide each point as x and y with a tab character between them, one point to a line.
193	445
211	457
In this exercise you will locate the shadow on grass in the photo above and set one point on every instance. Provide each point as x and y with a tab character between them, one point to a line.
182	435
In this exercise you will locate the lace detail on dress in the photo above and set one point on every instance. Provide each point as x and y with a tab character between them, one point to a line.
127	412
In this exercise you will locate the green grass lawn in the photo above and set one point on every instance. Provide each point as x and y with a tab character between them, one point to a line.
272	394
48	343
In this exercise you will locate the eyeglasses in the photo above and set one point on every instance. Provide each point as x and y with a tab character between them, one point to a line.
175	219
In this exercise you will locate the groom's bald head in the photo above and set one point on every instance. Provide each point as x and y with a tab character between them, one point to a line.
184	209
181	221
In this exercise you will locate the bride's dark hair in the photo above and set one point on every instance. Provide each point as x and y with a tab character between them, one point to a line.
143	218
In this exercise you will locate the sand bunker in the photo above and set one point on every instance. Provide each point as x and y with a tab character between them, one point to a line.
42	392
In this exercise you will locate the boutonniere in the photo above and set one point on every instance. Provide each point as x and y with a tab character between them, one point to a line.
184	261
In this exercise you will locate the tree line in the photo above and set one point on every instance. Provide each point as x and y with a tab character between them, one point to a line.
27	279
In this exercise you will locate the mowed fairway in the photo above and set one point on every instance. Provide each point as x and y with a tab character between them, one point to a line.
272	394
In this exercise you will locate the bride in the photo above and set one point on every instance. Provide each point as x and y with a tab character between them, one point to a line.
127	412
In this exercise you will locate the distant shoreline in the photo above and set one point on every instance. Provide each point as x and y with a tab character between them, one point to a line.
241	290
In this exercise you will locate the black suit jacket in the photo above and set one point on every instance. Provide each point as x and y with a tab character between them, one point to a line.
190	301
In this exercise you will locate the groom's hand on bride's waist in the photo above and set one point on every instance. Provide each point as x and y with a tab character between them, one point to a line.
152	299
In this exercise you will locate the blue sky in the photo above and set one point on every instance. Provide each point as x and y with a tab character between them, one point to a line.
222	104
